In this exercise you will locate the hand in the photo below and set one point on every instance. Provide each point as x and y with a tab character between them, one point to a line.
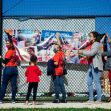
108	37
80	51
0	57
105	57
5	31
57	35
85	57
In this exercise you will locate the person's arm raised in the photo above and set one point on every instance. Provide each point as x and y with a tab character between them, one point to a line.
58	38
109	40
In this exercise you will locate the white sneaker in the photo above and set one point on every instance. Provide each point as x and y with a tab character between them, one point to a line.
27	102
34	103
13	102
90	102
98	102
1	102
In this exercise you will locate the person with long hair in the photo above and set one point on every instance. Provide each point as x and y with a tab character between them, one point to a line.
10	71
95	66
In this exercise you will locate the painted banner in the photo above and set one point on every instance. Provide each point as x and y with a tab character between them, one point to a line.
42	44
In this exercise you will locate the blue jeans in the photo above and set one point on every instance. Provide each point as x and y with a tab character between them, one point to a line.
9	73
59	87
94	76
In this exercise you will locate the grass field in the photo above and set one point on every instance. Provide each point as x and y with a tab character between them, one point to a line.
56	109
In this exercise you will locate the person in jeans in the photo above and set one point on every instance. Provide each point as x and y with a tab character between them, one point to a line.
32	75
58	76
10	71
95	66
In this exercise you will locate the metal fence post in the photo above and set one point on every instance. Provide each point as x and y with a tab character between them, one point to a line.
0	39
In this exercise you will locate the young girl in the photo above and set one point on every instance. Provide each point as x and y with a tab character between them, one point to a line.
32	75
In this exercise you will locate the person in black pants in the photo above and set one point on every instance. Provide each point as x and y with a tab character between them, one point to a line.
34	86
32	75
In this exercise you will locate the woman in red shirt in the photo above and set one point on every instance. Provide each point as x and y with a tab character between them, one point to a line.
10	71
58	76
32	76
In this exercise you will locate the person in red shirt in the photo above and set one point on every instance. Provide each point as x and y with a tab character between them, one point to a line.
32	76
10	71
58	76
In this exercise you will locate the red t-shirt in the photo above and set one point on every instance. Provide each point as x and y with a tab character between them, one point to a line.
11	55
87	60
32	74
58	57
90	58
109	75
83	61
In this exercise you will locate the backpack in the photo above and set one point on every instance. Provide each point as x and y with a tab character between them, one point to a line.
50	67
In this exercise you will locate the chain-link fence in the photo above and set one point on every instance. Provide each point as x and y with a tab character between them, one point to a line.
75	80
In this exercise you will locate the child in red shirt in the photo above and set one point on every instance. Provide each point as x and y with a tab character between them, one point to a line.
32	75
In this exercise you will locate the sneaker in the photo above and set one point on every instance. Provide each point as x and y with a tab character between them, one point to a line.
1	102
34	103
56	101
98	102
26	103
90	102
64	101
13	102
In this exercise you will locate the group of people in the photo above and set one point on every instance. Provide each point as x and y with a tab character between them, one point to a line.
94	56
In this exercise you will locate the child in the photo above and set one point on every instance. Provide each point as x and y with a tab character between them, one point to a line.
32	75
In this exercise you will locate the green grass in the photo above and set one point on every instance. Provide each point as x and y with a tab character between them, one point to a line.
56	109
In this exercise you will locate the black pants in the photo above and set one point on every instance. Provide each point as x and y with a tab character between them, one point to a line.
34	86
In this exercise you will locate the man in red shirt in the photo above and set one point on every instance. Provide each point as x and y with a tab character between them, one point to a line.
58	76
